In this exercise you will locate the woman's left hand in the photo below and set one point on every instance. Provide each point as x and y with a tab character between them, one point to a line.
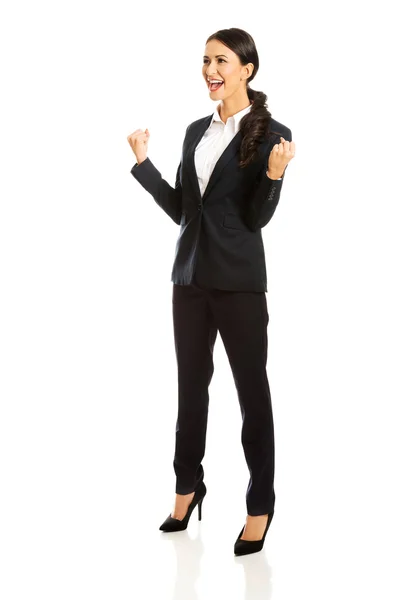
279	158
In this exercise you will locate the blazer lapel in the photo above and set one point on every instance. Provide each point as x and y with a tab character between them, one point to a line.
230	151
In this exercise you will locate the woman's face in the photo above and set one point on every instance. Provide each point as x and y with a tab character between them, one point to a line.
219	62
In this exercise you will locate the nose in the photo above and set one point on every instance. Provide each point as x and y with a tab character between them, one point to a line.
209	71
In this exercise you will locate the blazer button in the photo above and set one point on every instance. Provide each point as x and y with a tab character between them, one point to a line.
199	207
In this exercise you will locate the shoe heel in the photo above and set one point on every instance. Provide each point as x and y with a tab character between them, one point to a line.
199	506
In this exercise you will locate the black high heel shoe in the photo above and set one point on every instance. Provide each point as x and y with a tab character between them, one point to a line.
248	547
172	524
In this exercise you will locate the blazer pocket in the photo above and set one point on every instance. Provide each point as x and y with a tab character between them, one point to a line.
232	221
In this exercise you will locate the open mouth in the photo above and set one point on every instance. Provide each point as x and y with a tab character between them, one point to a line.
214	85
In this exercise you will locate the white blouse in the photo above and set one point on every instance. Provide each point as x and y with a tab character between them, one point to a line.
214	141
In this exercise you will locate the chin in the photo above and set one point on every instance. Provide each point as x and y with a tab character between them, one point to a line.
216	94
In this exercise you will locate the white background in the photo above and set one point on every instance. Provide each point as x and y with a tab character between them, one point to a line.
88	370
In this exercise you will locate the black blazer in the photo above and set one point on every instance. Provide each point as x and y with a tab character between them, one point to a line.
220	233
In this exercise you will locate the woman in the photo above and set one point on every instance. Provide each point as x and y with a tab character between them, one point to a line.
235	159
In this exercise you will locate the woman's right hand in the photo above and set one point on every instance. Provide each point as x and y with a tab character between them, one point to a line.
138	142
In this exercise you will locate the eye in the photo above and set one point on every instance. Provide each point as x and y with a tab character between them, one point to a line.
205	60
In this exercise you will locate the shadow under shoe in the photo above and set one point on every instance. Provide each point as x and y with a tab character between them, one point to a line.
248	547
172	524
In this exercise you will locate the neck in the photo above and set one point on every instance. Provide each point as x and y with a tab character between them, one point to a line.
232	105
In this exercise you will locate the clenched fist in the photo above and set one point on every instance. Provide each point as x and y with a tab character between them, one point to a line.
138	141
280	156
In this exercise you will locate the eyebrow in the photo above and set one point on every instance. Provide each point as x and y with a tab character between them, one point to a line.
216	56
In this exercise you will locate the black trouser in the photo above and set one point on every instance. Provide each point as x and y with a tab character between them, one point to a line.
242	319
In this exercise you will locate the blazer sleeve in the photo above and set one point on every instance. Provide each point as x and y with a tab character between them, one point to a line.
167	197
265	198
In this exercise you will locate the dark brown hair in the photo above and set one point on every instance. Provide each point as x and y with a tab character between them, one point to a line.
255	124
